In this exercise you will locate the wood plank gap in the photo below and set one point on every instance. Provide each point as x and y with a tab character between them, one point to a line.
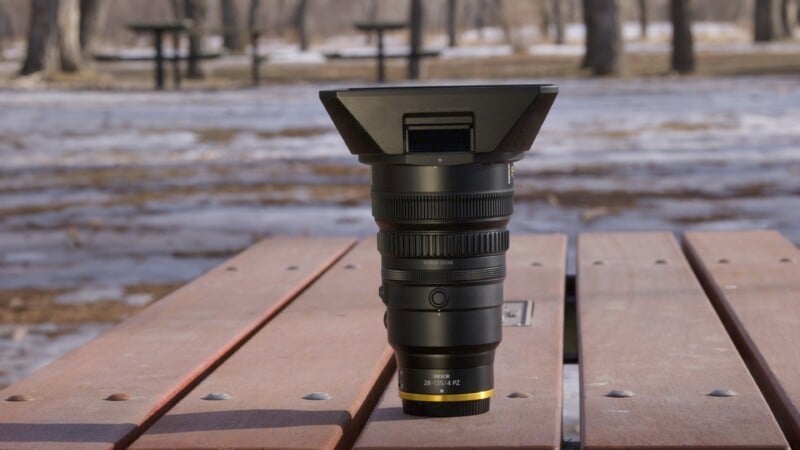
771	387
652	350
160	352
330	340
528	361
302	287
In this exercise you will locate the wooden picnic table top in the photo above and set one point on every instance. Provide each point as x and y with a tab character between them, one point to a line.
375	26
691	346
169	26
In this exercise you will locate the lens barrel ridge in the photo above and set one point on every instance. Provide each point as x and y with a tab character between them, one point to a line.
442	245
441	207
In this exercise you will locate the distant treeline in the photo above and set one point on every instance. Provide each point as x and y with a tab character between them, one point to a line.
61	34
330	17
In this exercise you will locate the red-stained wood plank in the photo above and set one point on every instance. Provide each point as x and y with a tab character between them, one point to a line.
529	360
646	326
753	279
331	339
158	354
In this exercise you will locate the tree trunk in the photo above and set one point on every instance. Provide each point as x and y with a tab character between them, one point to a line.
590	29
451	23
480	17
196	11
92	15
786	19
6	28
682	41
415	20
42	28
252	13
69	30
558	20
607	47
232	36
643	22
300	24
766	20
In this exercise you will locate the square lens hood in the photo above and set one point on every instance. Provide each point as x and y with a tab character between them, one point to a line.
439	125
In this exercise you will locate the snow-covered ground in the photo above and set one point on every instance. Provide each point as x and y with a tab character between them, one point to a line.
103	190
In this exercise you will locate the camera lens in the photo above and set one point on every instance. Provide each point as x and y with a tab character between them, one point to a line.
442	241
442	196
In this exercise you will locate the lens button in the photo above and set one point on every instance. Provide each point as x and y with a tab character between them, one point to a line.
438	298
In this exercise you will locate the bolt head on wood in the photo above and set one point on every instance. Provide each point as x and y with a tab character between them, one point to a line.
520	395
722	393
620	393
217	396
317	396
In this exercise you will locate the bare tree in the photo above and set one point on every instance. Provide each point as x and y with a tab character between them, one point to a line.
69	27
451	23
300	24
416	17
643	19
6	27
196	10
558	20
786	19
766	20
603	37
92	14
252	14
232	37
42	36
682	40
590	31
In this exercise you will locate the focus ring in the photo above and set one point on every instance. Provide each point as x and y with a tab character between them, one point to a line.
453	245
413	207
444	276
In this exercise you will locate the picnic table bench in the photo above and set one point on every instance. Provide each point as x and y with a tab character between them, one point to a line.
283	346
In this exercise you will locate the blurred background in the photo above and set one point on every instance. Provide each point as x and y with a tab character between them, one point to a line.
117	185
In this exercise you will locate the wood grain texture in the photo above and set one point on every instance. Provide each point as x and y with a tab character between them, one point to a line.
330	339
158	354
645	325
528	360
753	279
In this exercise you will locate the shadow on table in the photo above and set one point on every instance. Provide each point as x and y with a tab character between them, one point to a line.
64	432
248	418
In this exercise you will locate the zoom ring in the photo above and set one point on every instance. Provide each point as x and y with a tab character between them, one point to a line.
444	276
448	207
452	245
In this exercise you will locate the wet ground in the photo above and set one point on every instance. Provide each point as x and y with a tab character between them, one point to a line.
108	200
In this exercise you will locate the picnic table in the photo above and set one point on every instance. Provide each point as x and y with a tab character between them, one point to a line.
379	28
283	346
157	30
380	54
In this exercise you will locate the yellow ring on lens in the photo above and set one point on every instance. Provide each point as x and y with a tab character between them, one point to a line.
446	397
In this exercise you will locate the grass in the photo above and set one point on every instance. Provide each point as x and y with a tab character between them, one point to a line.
33	306
139	76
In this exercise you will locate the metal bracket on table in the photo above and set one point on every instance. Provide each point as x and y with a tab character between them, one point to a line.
517	313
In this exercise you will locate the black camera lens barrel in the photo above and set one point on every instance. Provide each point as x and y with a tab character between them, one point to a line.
443	242
442	196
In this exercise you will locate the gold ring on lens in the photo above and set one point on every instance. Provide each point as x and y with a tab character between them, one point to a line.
447	397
